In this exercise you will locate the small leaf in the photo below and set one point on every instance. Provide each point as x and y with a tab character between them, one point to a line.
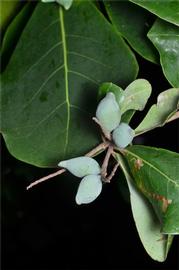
81	166
136	95
123	135
108	112
165	37
167	104
65	3
166	10
156	174
89	189
148	225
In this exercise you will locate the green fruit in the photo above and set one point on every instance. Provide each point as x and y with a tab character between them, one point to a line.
123	135
108	112
81	166
89	189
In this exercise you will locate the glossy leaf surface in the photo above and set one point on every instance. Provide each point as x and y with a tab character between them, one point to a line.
167	104
156	174
55	83
89	189
81	166
165	37
167	10
148	225
133	23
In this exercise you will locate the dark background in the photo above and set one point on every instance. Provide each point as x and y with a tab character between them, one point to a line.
44	229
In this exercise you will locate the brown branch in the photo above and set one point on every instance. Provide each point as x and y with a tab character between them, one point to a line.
98	149
45	178
105	162
93	152
108	179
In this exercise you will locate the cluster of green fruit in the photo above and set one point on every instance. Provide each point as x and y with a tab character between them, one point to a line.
109	116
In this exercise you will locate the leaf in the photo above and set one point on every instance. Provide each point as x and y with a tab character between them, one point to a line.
167	10
136	95
50	85
89	189
165	37
158	114
108	112
8	10
13	33
148	226
156	174
81	166
133	23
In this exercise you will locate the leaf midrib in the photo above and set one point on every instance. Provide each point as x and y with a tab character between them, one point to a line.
64	46
154	168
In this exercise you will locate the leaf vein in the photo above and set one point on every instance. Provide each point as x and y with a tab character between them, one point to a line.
83	75
154	168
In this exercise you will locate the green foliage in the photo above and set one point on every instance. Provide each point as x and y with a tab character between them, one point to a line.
8	10
57	81
59	60
156	175
148	225
167	105
168	11
133	23
165	37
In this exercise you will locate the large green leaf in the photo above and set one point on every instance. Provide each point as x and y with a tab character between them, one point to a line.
148	225
156	174
133	23
158	114
167	9
165	37
50	84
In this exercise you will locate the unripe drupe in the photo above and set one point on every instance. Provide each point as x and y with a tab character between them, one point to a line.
123	135
81	166
108	112
89	189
